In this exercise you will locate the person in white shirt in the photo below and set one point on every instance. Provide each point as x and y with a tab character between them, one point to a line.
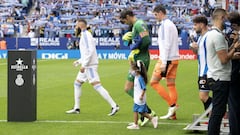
219	57
31	33
166	67
88	71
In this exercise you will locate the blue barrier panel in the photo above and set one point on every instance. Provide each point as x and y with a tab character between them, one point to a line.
102	54
63	43
34	43
3	54
74	54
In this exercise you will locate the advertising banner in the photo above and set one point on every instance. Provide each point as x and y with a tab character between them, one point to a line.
64	43
102	54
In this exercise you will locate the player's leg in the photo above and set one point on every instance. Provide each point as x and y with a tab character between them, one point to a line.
170	78
205	98
80	79
129	86
204	92
94	79
156	77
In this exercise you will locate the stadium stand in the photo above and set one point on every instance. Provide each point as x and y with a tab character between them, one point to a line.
56	18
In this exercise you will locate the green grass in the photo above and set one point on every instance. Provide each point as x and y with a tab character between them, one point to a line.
55	95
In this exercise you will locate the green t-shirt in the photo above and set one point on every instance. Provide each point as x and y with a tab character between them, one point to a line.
140	27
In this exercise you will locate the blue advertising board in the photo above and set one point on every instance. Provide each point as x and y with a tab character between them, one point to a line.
74	54
63	43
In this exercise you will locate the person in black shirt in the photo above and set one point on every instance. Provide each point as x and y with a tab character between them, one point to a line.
234	93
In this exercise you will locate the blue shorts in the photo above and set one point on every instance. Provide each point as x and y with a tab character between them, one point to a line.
140	108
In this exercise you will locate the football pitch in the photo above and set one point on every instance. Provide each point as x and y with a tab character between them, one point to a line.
55	95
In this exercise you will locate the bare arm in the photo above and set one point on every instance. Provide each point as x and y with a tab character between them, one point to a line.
225	55
194	47
142	95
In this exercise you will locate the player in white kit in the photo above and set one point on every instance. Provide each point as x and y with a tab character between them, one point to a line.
88	71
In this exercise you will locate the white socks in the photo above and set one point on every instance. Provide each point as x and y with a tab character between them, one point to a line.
104	93
77	94
99	88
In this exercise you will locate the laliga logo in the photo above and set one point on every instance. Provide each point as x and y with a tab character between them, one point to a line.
19	66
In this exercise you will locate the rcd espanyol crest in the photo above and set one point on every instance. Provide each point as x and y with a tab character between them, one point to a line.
19	66
19	80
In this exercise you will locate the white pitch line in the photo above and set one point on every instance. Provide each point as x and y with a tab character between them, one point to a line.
100	122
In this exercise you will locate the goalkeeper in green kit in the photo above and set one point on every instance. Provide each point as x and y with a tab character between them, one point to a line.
139	41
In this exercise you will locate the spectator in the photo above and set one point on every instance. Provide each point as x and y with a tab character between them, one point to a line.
31	34
3	44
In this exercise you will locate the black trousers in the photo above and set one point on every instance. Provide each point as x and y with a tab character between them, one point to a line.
234	105
220	91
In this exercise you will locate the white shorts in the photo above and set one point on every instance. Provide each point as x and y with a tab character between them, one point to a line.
90	75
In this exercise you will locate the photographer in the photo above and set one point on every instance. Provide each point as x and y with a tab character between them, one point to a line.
234	93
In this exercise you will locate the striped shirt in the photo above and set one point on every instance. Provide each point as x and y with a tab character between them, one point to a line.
202	55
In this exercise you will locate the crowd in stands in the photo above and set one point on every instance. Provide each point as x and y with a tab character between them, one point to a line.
13	15
57	18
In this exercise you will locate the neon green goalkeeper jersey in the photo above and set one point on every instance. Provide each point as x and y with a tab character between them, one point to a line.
140	28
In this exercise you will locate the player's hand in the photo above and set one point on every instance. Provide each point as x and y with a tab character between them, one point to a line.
76	63
237	54
194	45
237	45
163	68
82	69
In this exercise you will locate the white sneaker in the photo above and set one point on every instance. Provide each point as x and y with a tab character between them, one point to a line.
73	111
155	121
171	111
131	123
153	114
133	126
146	120
114	110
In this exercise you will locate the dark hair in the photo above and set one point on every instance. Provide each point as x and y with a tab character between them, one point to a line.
234	18
139	65
200	19
159	8
124	13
